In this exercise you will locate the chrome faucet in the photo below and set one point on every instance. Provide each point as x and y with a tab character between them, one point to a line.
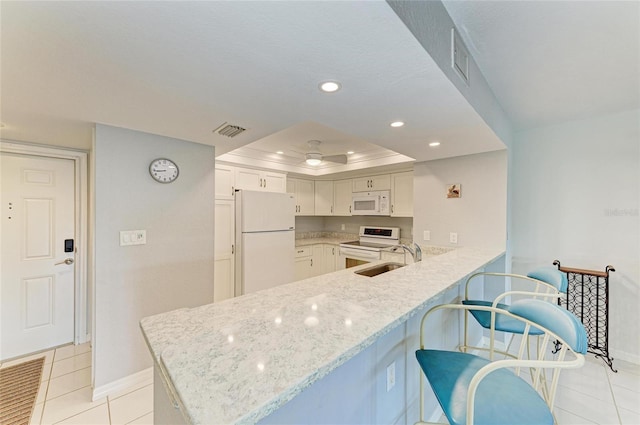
416	252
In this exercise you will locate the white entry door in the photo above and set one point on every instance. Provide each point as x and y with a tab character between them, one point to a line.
38	276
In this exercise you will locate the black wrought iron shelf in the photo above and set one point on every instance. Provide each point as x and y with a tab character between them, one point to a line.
588	298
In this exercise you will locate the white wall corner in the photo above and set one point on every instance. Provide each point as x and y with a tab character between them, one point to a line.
130	381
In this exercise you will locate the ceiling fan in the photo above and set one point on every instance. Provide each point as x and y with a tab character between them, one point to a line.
314	156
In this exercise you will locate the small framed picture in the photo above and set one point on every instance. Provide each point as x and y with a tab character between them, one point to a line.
454	190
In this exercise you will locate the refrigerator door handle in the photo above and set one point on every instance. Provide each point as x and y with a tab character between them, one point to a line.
233	249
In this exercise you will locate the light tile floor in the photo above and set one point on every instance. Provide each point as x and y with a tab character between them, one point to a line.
65	393
586	396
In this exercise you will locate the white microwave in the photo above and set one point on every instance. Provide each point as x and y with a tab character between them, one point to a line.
370	203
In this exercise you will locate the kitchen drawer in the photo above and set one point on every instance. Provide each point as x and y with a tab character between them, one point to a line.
304	251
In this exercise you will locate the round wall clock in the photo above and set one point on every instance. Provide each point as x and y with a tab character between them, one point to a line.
163	170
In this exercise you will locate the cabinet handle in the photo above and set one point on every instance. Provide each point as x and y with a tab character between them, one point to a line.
333	251
233	190
349	208
331	209
233	249
391	209
301	251
312	262
265	183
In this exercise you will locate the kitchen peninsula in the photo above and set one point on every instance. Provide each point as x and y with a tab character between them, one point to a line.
243	359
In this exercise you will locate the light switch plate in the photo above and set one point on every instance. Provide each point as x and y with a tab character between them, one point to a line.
133	237
453	237
426	235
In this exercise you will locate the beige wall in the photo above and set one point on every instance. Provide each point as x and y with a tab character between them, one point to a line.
479	216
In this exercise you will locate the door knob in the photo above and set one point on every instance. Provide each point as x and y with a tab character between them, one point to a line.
67	261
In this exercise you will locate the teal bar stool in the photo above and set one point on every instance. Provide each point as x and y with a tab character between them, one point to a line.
474	390
542	283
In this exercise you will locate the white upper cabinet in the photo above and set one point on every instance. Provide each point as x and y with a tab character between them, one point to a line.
323	197
342	194
275	182
304	193
225	181
402	194
268	181
367	184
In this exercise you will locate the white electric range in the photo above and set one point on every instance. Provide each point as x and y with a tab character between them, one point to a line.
368	247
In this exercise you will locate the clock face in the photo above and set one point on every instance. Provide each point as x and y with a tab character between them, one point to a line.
163	170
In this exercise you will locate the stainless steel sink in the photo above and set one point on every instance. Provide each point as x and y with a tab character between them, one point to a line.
379	269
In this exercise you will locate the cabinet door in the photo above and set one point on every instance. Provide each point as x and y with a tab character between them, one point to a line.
225	181
317	260
402	194
342	192
248	179
323	197
305	196
366	184
224	250
362	184
303	268
330	252
274	182
382	182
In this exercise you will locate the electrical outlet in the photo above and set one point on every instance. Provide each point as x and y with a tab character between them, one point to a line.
426	235
391	376
453	237
342	227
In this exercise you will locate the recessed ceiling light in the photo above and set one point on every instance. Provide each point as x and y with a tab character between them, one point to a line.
330	86
350	152
279	152
434	144
396	124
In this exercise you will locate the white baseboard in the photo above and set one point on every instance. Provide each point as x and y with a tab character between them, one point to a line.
122	383
624	356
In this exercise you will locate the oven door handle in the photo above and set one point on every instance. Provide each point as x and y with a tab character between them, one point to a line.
359	253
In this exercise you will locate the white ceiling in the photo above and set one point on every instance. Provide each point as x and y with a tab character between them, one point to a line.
550	62
181	69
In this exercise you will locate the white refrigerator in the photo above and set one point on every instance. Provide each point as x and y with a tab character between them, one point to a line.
265	240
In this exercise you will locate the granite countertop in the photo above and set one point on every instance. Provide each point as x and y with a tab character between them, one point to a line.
325	240
241	359
333	238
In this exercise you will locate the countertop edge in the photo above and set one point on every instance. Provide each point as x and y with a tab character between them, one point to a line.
261	411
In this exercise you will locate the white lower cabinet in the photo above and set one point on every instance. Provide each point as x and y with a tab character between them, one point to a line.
224	250
314	260
304	262
330	258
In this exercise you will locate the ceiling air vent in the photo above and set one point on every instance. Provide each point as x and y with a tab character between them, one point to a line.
229	130
459	56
